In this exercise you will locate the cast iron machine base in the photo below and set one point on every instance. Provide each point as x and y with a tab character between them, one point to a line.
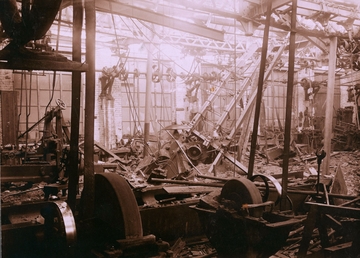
239	224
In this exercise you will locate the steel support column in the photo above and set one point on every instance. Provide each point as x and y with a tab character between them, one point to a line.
289	98
260	90
329	104
78	10
89	178
148	99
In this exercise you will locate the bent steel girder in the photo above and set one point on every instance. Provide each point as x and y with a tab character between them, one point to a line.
157	18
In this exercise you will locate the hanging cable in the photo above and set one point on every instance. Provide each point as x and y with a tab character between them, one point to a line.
113	21
189	72
132	108
150	40
56	51
52	91
28	112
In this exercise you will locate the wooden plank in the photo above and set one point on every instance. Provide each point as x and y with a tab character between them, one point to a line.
9	117
338	247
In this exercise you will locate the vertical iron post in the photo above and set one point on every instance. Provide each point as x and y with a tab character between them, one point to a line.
329	104
148	106
89	177
259	91
78	10
288	112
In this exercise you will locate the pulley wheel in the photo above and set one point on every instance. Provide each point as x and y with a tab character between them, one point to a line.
265	194
242	191
116	206
194	152
59	228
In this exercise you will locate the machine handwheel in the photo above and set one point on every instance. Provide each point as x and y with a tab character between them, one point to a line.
242	191
61	104
116	206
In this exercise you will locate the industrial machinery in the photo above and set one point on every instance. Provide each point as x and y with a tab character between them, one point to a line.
43	160
49	228
239	224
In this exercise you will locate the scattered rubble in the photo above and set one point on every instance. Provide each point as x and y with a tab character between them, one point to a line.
182	161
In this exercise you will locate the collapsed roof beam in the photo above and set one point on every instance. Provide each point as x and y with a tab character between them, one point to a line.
321	44
183	12
204	8
153	17
305	6
259	9
309	8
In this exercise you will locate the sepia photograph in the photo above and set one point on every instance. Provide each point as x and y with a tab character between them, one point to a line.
180	128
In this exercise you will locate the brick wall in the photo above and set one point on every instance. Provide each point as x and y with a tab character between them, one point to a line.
6	80
108	115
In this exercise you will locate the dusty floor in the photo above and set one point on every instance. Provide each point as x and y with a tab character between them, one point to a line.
349	163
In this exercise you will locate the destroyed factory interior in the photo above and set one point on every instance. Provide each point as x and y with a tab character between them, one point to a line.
180	128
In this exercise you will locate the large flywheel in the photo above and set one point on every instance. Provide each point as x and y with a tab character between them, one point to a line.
240	224
227	227
116	206
241	192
